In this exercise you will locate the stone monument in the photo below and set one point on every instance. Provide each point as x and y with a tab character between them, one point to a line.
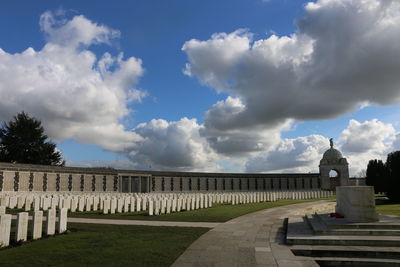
333	160
356	203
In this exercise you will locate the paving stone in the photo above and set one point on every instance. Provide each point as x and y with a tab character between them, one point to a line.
251	240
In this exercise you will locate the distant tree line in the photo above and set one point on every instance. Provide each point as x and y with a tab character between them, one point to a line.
385	177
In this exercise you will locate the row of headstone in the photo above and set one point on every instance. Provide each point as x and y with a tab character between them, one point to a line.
189	202
135	202
54	223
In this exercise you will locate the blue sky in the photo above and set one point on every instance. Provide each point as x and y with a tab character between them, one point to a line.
155	32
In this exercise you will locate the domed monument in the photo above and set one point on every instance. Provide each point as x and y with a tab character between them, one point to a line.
333	160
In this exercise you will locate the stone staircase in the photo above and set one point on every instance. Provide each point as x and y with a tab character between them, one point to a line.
338	242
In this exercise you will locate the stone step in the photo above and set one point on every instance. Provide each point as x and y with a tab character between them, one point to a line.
300	233
343	240
320	228
298	226
342	223
347	252
359	262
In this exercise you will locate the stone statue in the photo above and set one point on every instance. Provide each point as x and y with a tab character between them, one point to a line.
331	142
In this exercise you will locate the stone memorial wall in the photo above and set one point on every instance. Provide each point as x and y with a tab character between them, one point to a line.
37	178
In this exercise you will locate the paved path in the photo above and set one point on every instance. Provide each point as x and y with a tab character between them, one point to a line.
140	222
255	239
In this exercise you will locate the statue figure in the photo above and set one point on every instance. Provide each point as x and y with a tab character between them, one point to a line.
331	142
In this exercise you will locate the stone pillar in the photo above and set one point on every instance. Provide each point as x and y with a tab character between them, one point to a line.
50	222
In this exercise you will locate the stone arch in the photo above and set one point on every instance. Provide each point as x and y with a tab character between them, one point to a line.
340	167
334	178
333	160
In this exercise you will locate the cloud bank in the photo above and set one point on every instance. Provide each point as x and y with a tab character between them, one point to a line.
359	143
343	55
74	93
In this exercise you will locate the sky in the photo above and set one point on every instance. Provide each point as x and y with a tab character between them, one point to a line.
214	86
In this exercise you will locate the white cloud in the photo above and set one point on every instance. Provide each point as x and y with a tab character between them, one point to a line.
367	136
75	94
175	145
238	141
77	31
363	141
301	154
359	143
343	55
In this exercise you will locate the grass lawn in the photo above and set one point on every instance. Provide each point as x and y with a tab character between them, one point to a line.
387	208
105	245
218	213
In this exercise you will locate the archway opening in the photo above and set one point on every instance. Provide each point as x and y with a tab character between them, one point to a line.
333	174
334	177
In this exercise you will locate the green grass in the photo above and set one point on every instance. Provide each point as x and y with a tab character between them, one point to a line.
105	245
218	213
387	208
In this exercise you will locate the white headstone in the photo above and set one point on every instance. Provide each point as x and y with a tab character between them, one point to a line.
5	228
62	220
151	210
113	205
106	206
37	224
22	227
50	222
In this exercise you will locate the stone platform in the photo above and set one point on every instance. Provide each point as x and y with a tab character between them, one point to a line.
340	242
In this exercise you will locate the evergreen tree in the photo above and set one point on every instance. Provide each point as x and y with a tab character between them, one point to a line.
393	167
22	140
377	175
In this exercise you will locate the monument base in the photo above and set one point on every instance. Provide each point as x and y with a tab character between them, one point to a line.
356	203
